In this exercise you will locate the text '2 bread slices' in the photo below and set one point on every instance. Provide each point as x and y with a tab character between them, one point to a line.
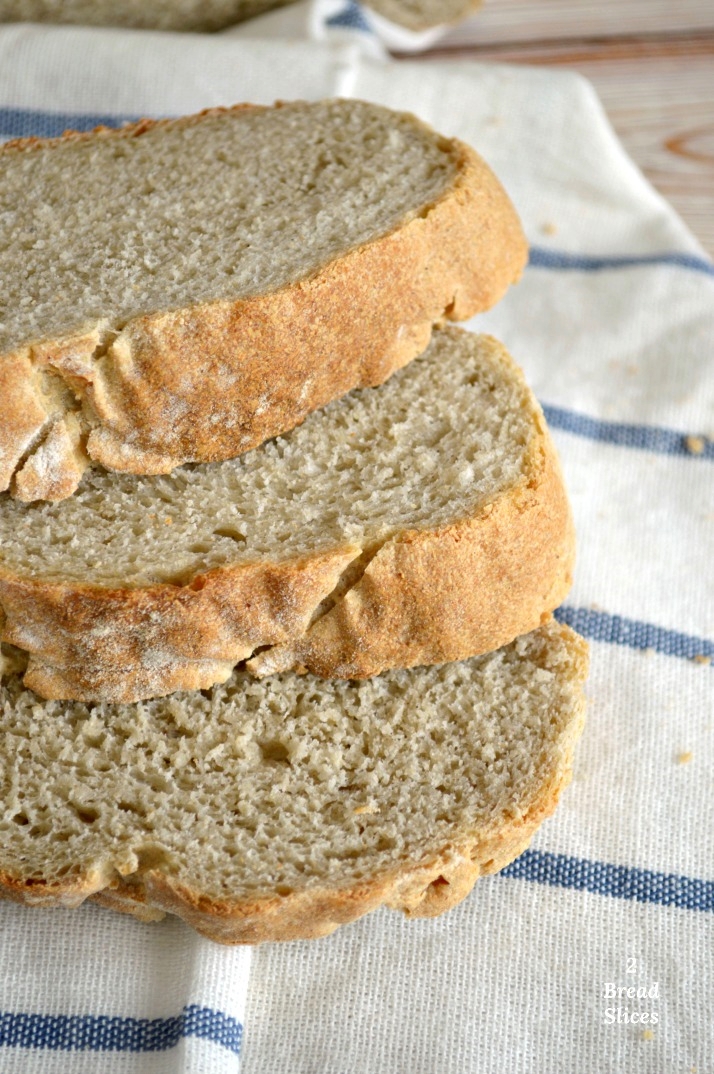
415	523
279	809
247	266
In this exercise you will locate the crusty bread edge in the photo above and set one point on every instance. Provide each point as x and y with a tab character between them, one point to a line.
450	259
424	889
427	596
447	593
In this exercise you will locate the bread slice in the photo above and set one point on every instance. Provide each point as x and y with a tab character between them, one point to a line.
415	523
248	266
138	14
209	14
423	14
278	810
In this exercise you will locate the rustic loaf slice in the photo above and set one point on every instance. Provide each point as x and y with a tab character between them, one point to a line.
280	809
181	291
419	522
209	14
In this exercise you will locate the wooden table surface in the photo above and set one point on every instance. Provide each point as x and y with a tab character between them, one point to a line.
652	63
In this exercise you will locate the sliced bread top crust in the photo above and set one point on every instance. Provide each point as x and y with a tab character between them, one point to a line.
419	522
280	809
182	290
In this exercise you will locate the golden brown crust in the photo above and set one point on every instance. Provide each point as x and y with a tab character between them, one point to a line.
424	597
87	642
428	597
420	891
238	373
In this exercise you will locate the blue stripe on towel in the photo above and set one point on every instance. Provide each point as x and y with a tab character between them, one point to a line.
616	881
105	1033
540	257
351	18
617	630
643	437
27	123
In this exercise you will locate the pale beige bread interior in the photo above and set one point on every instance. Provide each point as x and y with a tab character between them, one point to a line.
209	14
418	522
279	809
250	265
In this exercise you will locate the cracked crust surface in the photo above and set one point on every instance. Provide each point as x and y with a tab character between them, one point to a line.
212	379
281	810
418	586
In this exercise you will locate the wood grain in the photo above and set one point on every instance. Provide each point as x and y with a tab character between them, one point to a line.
658	91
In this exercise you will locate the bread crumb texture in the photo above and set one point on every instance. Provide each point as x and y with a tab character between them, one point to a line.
444	435
212	303
231	804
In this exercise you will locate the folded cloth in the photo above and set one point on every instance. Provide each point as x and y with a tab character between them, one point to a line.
614	323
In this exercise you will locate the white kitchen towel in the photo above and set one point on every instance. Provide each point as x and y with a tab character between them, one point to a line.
614	324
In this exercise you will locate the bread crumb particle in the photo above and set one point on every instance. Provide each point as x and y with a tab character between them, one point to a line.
695	444
702	658
649	651
549	228
684	758
647	1034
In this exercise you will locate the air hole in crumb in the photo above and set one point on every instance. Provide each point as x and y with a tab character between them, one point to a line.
274	751
230	532
151	856
87	816
20	818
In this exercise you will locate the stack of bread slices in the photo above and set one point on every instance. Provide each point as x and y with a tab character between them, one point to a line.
278	548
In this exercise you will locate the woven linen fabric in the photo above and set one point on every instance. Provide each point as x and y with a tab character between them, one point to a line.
614	325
